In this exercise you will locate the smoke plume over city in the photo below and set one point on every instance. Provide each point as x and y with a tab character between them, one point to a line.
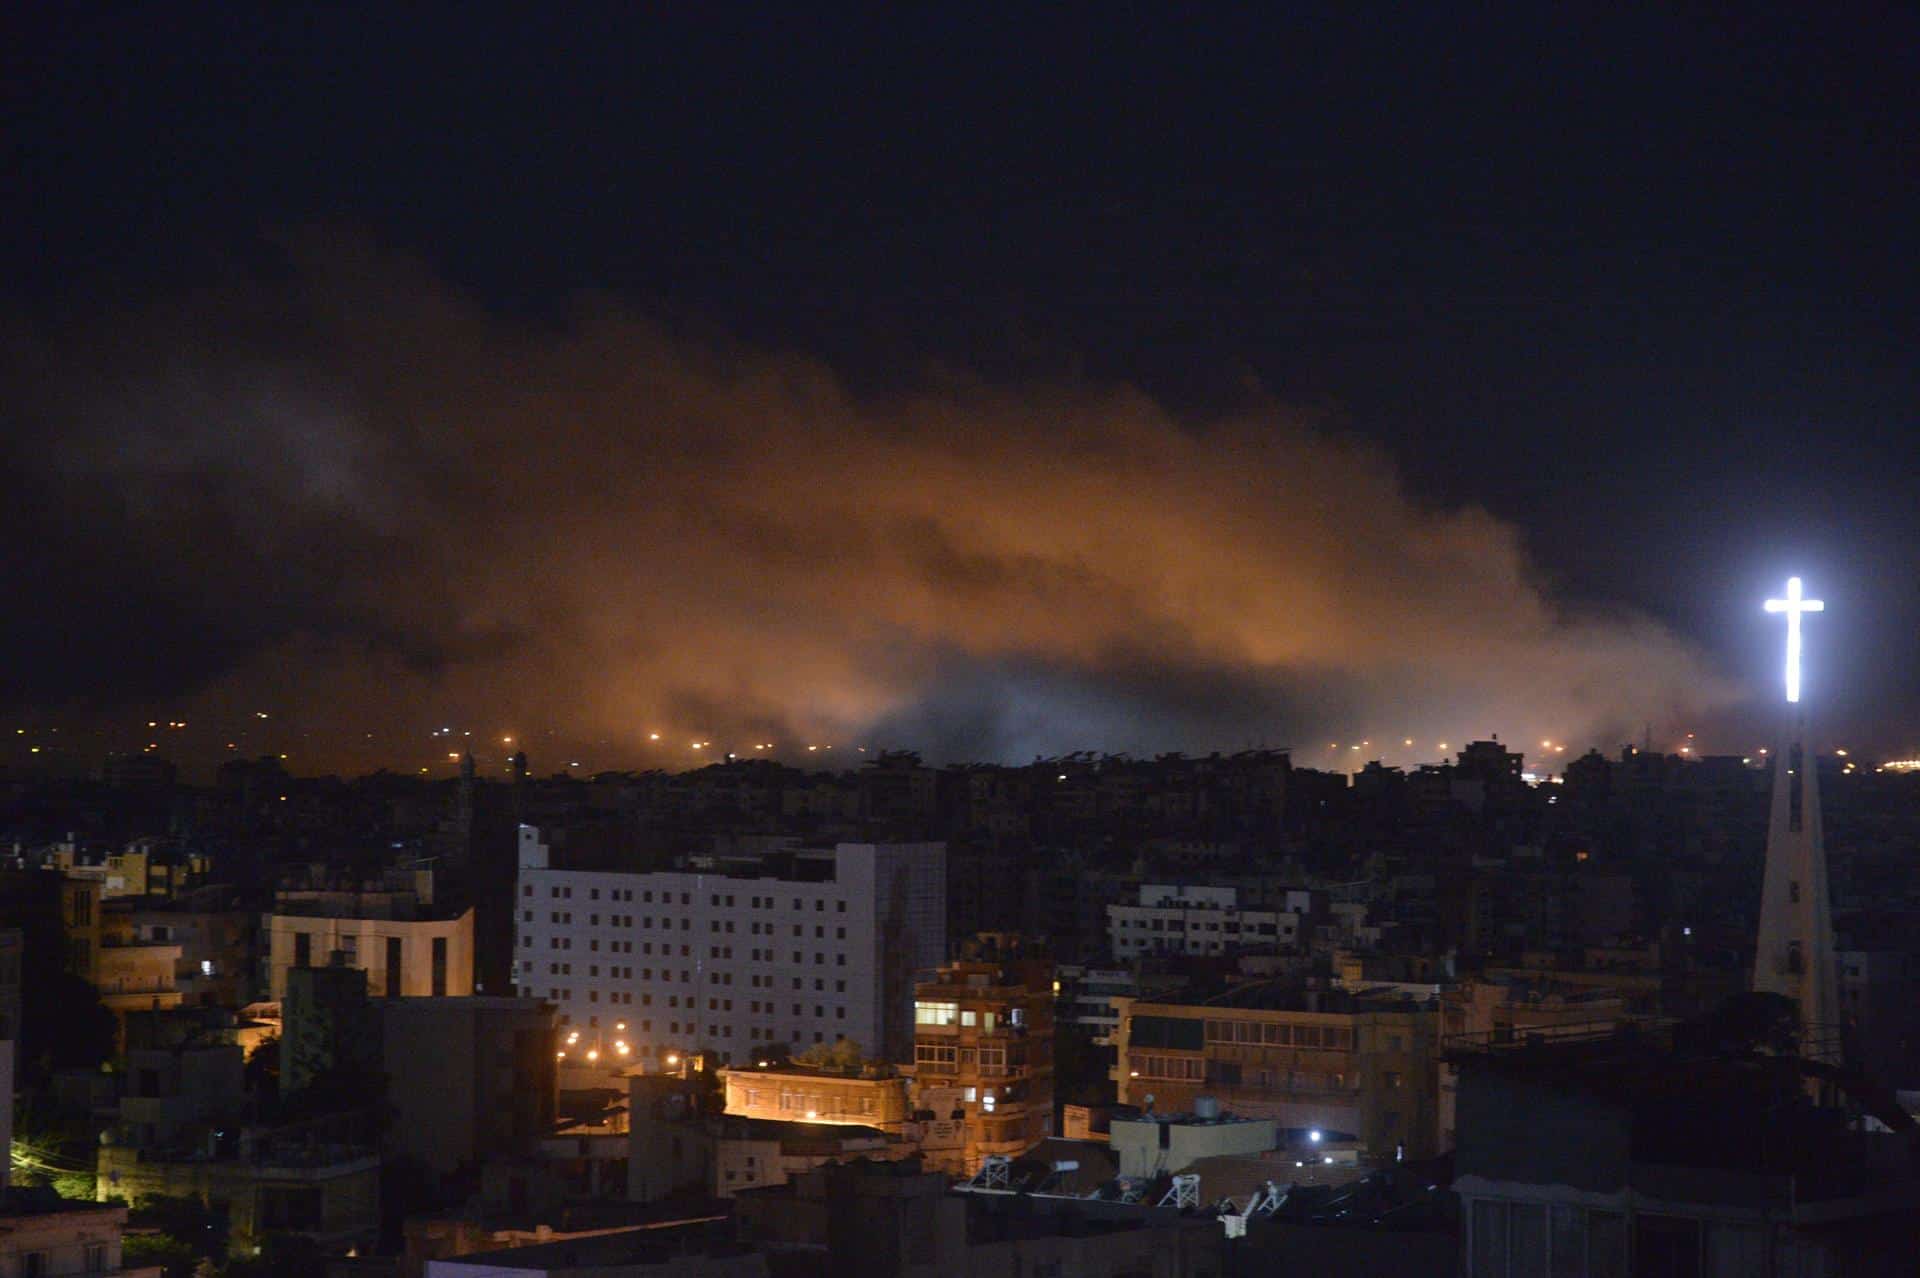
612	541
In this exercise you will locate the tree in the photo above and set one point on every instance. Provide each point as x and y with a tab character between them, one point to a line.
844	1054
175	1258
281	1256
183	1218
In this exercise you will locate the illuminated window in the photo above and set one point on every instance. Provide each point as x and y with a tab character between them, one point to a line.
942	1014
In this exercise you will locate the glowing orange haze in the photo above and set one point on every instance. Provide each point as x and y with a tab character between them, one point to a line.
613	531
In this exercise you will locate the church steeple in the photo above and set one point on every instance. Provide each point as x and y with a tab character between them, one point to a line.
1794	956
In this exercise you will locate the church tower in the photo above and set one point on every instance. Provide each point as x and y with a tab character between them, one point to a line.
1795	952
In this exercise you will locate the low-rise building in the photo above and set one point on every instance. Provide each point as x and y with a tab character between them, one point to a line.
897	1219
875	1097
681	1250
45	1236
1341	1064
470	1079
1151	1145
754	1153
311	1180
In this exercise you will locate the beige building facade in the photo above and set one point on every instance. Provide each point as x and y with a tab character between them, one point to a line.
792	1094
1365	1072
402	957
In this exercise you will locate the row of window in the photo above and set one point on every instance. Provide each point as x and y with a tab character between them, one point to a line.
949	1015
565	917
755	955
1173	1067
719	900
1267	1034
756	1033
1178	925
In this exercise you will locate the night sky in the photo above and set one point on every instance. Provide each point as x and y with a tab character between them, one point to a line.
986	384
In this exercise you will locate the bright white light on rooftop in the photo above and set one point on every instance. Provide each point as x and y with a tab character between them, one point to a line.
1314	1135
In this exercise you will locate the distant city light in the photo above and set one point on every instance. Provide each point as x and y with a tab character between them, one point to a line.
1314	1135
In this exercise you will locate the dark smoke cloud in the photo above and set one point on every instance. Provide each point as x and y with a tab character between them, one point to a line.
358	499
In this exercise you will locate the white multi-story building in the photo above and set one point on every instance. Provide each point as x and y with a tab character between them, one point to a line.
1182	919
733	954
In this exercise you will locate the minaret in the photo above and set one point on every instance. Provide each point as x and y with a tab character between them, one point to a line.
1795	952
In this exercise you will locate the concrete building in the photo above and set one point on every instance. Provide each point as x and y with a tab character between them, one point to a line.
1677	1150
790	1093
737	953
754	1153
894	1220
45	1236
677	1250
1181	919
178	1098
670	1145
10	952
983	1056
12	942
327	1027
305	1180
470	1079
1161	1144
215	963
1344	1065
427	953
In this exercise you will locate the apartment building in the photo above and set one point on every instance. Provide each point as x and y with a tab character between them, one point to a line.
417	951
1345	1065
1184	919
983	1055
737	952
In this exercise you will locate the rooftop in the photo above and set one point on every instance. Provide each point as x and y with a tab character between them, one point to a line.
647	1245
1290	996
45	1200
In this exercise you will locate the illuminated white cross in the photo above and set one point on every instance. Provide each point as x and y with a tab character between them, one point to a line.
1793	605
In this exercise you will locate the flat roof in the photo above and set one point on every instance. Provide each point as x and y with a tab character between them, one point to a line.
647	1244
